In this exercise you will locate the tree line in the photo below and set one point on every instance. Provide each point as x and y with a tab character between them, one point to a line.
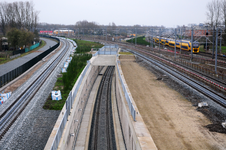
216	13
18	21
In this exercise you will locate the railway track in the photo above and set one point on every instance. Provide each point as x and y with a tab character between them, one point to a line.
13	111
215	80
212	94
211	81
185	79
102	131
219	57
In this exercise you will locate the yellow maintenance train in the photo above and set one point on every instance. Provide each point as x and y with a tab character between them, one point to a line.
183	44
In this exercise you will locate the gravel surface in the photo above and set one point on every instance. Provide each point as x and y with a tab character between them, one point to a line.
33	127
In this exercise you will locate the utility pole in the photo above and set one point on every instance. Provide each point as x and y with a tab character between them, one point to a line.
136	37
159	39
78	33
180	39
213	42
216	51
152	39
94	34
175	47
106	34
83	33
206	37
149	33
220	38
103	34
192	30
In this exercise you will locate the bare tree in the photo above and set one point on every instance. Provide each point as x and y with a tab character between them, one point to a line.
214	12
85	26
3	19
223	11
20	15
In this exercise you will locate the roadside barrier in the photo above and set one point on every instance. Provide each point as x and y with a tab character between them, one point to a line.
7	77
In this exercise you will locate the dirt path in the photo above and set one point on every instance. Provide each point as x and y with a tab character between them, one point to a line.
172	121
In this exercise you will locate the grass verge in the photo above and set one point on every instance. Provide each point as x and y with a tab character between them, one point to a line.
67	80
140	41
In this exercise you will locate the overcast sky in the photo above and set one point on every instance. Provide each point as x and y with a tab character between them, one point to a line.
168	13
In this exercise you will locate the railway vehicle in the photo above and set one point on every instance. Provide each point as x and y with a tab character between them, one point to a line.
156	39
183	44
163	41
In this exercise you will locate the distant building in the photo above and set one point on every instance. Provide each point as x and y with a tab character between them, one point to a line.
46	32
197	32
59	32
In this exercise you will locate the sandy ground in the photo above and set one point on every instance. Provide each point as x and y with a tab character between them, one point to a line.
172	121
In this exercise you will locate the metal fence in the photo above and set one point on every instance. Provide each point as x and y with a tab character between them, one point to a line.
69	102
108	50
4	79
74	92
26	49
60	131
128	99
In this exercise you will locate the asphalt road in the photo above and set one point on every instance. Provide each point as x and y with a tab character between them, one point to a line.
7	67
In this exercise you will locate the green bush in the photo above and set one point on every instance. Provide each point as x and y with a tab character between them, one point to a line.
86	46
140	41
68	79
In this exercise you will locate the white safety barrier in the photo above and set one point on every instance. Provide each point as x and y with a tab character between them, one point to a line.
56	95
4	97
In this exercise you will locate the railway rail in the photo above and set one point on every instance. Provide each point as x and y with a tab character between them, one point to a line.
13	111
212	94
219	57
209	79
102	131
199	73
185	79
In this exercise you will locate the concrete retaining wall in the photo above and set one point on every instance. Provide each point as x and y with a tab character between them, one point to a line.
70	133
135	133
74	120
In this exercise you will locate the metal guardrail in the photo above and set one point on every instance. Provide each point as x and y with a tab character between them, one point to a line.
128	99
71	98
107	50
69	102
59	132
